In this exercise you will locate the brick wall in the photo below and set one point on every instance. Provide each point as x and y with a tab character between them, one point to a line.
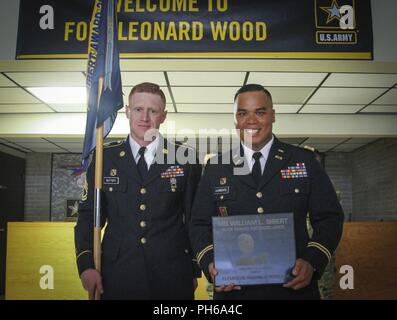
37	187
339	168
375	181
366	181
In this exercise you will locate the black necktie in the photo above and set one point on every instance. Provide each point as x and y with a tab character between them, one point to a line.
142	166
256	169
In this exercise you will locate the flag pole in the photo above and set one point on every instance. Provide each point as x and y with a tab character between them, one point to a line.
105	98
98	188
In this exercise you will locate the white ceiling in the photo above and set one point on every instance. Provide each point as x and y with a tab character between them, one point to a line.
208	92
211	92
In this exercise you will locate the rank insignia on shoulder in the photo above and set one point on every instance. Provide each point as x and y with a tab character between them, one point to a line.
293	172
312	149
113	144
222	181
113	172
223	212
278	157
173	171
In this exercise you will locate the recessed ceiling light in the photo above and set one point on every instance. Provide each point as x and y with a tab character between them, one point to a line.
60	94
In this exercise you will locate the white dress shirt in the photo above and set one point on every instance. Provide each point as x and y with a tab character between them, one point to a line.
248	154
150	152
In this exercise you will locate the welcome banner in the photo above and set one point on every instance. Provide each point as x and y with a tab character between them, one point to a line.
304	29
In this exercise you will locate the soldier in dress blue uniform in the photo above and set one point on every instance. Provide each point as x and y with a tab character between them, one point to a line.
278	178
147	197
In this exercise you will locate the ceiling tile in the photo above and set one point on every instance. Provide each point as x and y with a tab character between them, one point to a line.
294	141
48	79
26	140
288	79
388	98
204	94
24	108
13	145
76	140
35	144
318	141
69	107
16	95
60	95
74	150
360	80
206	78
331	108
127	90
286	108
290	95
345	96
133	78
39	147
362	141
205	108
4	82
74	146
347	147
373	108
53	149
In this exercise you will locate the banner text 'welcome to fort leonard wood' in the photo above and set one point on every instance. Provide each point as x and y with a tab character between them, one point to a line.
305	29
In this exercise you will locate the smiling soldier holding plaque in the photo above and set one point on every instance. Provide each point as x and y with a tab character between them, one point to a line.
248	227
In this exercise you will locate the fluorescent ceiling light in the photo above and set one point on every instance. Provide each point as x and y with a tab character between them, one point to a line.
60	94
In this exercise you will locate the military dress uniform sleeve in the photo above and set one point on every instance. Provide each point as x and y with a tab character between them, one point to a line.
191	188
326	217
201	224
84	229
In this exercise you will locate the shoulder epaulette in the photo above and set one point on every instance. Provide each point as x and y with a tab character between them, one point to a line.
113	144
309	148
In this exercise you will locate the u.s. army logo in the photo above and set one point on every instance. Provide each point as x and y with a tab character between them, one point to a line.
337	18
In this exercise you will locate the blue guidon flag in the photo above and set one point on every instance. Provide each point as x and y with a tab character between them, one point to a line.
103	63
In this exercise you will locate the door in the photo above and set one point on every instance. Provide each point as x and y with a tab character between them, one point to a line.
12	197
